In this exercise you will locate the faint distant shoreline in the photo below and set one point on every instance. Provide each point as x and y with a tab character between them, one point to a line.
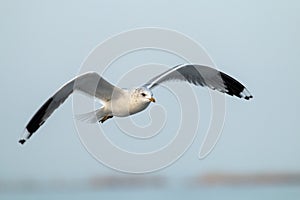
151	181
242	179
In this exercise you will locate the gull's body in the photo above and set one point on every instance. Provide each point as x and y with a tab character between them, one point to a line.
124	102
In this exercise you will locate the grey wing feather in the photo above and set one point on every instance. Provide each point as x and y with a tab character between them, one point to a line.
203	76
89	83
93	84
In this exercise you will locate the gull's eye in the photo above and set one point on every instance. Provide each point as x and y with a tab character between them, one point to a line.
143	94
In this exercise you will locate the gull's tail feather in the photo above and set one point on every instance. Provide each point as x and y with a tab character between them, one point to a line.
91	117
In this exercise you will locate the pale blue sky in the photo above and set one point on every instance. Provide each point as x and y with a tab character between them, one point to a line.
44	43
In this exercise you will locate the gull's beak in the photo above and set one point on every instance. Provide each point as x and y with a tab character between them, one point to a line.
152	99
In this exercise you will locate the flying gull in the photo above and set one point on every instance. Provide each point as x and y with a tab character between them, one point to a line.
122	102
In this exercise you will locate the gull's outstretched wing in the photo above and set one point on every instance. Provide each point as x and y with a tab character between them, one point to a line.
204	76
89	83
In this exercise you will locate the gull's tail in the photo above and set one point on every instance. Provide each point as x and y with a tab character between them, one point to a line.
91	117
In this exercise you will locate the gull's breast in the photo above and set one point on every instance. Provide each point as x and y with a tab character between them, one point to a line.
125	107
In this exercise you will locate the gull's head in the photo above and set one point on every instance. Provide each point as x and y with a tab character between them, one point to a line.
140	98
143	94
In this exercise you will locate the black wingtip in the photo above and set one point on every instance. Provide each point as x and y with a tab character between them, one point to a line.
38	119
22	141
26	135
234	87
248	97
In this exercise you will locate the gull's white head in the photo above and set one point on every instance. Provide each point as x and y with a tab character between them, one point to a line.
140	98
143	95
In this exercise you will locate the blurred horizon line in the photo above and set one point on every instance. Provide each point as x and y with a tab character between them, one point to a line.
210	179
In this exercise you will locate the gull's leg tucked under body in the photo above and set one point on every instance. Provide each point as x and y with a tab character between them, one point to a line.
106	117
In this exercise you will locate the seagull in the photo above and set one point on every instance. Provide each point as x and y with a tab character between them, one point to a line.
122	102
